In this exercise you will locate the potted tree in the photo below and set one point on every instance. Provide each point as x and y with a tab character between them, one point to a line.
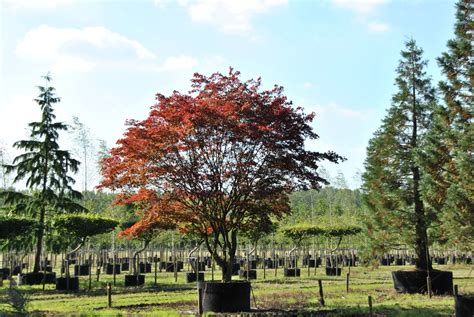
338	231
47	169
395	169
220	158
143	230
77	228
298	233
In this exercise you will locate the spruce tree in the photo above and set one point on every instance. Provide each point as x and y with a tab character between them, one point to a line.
448	180
46	169
393	173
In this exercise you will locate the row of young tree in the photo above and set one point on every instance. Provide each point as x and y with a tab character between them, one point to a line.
418	178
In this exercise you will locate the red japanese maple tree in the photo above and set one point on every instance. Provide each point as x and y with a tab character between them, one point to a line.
217	160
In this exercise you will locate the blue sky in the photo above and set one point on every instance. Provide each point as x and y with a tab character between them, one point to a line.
109	58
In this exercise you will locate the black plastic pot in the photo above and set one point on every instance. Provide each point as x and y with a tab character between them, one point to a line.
110	268
16	270
191	277
61	284
235	269
134	280
222	297
4	273
170	267
441	261
81	270
125	266
464	306
37	278
201	266
144	268
269	264
385	261
399	261
252	274
291	272
413	282
333	271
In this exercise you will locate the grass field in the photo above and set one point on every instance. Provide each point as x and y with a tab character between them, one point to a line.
272	294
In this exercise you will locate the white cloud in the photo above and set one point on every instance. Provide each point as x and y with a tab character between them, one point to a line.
177	63
377	27
307	85
76	49
36	4
362	7
228	15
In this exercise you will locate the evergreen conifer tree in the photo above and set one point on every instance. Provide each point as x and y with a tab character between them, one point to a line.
448	162
46	169
393	173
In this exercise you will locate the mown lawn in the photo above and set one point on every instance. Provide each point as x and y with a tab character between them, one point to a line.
273	294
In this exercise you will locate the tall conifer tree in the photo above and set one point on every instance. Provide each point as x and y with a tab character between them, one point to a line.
393	173
46	169
448	182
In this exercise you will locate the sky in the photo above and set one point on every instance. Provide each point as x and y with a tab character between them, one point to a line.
108	59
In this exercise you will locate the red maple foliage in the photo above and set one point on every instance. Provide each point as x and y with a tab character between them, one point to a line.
217	160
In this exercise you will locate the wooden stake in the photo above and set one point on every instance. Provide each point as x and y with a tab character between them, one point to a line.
456	290
109	295
428	286
347	282
371	312
321	295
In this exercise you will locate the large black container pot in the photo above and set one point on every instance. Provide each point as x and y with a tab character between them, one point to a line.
349	262
37	278
413	282
464	306
333	271
145	268
170	267
385	261
289	272
225	297
81	270
16	270
235	269
61	284
252	274
110	268
269	264
191	277
134	280
201	265
125	266
441	261
399	261
4	273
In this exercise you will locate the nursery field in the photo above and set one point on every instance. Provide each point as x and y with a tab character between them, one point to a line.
274	295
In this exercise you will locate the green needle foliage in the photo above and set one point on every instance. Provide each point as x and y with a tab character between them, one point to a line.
397	211
449	161
46	169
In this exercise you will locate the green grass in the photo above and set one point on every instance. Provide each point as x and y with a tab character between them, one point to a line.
170	298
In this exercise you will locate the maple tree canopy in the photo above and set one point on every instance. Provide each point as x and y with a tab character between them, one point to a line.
216	160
